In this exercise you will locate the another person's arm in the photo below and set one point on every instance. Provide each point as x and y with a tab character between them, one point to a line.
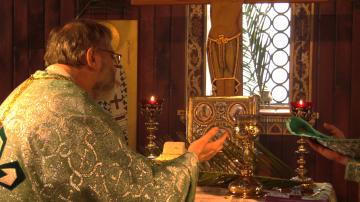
352	171
328	153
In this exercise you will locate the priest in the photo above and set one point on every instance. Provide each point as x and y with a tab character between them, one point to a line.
59	145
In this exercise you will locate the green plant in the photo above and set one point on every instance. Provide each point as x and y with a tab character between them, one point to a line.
255	43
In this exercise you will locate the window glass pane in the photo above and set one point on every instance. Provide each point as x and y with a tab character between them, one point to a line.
272	31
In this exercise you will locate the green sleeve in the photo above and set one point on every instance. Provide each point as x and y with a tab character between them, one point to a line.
352	171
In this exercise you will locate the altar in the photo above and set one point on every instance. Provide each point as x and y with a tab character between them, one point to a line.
322	192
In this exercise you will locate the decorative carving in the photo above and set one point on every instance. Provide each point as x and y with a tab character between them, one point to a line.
301	51
301	60
223	112
231	113
195	51
273	123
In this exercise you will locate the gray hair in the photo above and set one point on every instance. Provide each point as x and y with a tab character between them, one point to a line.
69	43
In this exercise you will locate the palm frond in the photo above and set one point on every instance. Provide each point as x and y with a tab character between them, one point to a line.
255	44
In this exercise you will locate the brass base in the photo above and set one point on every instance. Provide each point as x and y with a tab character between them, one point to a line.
151	157
152	150
245	187
306	182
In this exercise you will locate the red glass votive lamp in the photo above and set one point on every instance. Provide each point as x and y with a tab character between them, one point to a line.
152	101
301	105
302	109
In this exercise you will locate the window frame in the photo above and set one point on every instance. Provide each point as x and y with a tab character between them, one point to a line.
301	61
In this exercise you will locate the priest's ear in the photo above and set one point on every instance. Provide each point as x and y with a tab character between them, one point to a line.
92	59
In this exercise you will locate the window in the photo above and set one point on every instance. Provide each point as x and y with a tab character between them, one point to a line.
273	34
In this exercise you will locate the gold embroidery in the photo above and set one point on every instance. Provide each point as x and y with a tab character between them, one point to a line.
23	87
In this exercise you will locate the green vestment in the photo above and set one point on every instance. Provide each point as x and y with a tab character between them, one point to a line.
70	149
347	147
352	171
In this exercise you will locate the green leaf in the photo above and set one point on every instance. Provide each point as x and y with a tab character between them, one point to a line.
256	51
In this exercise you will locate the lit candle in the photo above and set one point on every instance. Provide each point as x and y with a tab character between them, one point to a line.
301	104
152	100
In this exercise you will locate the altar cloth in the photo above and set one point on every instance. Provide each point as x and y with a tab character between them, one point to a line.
323	192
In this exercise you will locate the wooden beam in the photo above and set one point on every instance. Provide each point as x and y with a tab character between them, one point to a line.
172	2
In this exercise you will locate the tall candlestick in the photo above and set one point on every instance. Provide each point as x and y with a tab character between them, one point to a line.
246	186
151	110
303	110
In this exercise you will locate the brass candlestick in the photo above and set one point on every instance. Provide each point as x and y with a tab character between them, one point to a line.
303	110
246	186
151	110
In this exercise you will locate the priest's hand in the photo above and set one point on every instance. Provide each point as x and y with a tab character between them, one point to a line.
205	148
328	153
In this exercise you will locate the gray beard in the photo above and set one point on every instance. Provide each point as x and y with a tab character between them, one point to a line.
100	89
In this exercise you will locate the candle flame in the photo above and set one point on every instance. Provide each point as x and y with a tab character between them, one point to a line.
301	102
152	98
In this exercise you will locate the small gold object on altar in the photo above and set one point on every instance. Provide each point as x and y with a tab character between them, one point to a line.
303	110
151	110
246	186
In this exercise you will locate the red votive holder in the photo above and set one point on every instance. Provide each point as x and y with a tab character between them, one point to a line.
301	105
152	100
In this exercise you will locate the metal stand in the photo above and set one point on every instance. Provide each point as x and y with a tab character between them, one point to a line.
151	112
246	186
303	110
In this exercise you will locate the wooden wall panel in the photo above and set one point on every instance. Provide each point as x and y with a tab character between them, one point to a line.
20	42
341	94
162	67
355	72
6	35
355	86
177	59
25	25
36	34
52	17
67	11
131	13
334	83
323	98
145	66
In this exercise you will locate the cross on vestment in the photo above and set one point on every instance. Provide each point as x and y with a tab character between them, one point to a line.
224	45
116	101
